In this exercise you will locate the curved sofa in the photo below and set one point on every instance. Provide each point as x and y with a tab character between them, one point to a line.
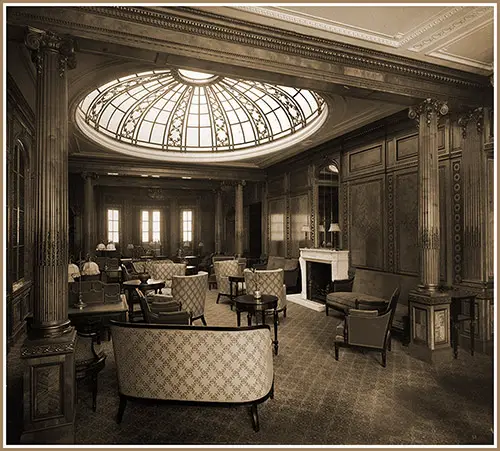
193	364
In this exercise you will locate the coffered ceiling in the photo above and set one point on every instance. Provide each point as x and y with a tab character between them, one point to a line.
460	37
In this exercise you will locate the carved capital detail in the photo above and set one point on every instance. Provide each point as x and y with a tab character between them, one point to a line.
40	41
476	115
58	348
89	175
430	238
429	108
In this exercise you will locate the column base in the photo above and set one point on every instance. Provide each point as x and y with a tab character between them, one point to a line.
49	390
430	332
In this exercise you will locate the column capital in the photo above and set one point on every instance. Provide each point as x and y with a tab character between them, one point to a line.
41	41
474	115
89	175
429	108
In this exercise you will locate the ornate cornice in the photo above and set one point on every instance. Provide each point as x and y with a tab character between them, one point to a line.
429	107
287	42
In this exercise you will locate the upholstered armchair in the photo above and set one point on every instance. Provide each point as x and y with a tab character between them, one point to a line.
223	269
267	282
369	329
164	313
191	292
163	270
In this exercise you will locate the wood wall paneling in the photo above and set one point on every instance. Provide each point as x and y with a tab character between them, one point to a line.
443	218
407	147
366	219
406	222
277	213
367	160
299	212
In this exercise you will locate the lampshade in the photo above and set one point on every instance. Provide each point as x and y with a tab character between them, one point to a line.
90	269
101	246
305	228
334	227
200	244
321	228
130	246
73	271
187	243
111	247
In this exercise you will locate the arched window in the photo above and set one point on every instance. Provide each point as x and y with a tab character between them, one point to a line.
17	173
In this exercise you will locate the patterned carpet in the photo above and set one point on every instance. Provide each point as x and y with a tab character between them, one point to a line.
318	401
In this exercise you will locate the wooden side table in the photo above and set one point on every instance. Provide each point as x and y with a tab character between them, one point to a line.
247	303
458	297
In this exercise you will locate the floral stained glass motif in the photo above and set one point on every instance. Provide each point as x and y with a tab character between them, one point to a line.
186	111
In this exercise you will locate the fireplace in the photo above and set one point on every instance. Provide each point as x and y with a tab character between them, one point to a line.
319	267
319	281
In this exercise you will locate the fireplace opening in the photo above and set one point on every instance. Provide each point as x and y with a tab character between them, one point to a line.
319	281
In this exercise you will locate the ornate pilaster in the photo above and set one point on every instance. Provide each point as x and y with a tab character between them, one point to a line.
427	114
477	256
238	223
429	308
49	378
89	209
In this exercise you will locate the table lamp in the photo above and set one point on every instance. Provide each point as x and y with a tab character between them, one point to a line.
334	228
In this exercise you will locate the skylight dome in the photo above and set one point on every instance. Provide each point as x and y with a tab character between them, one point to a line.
175	114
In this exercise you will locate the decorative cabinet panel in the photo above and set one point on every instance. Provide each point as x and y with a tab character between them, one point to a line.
19	306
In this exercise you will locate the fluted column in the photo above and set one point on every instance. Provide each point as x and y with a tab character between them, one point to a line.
51	55
218	221
88	213
238	219
426	115
49	351
429	308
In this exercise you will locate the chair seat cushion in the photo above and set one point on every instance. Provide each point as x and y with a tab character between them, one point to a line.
345	300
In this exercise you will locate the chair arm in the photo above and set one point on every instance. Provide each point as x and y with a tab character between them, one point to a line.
260	266
367	330
365	313
170	306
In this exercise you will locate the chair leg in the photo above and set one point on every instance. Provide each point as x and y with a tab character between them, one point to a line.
121	409
218	297
272	392
384	358
203	320
284	312
326	309
255	417
336	351
389	344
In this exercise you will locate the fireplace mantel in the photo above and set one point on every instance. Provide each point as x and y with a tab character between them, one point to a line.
339	261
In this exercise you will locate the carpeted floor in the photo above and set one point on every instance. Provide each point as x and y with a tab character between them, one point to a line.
318	401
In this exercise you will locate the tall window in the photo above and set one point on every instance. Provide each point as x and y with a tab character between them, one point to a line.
150	226
187	225
113	225
17	173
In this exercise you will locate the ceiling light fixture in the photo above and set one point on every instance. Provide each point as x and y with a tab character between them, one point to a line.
187	178
112	173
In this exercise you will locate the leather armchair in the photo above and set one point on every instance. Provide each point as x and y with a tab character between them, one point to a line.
369	329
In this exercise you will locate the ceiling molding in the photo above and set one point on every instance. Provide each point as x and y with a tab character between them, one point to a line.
340	28
471	16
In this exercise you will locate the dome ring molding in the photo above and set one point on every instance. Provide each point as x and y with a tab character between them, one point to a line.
199	156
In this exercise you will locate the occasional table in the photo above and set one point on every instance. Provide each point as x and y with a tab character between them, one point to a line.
144	286
458	297
247	303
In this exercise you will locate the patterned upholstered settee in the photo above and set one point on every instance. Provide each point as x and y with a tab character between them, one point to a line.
194	364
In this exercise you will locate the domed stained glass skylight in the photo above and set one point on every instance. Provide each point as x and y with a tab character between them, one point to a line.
175	111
